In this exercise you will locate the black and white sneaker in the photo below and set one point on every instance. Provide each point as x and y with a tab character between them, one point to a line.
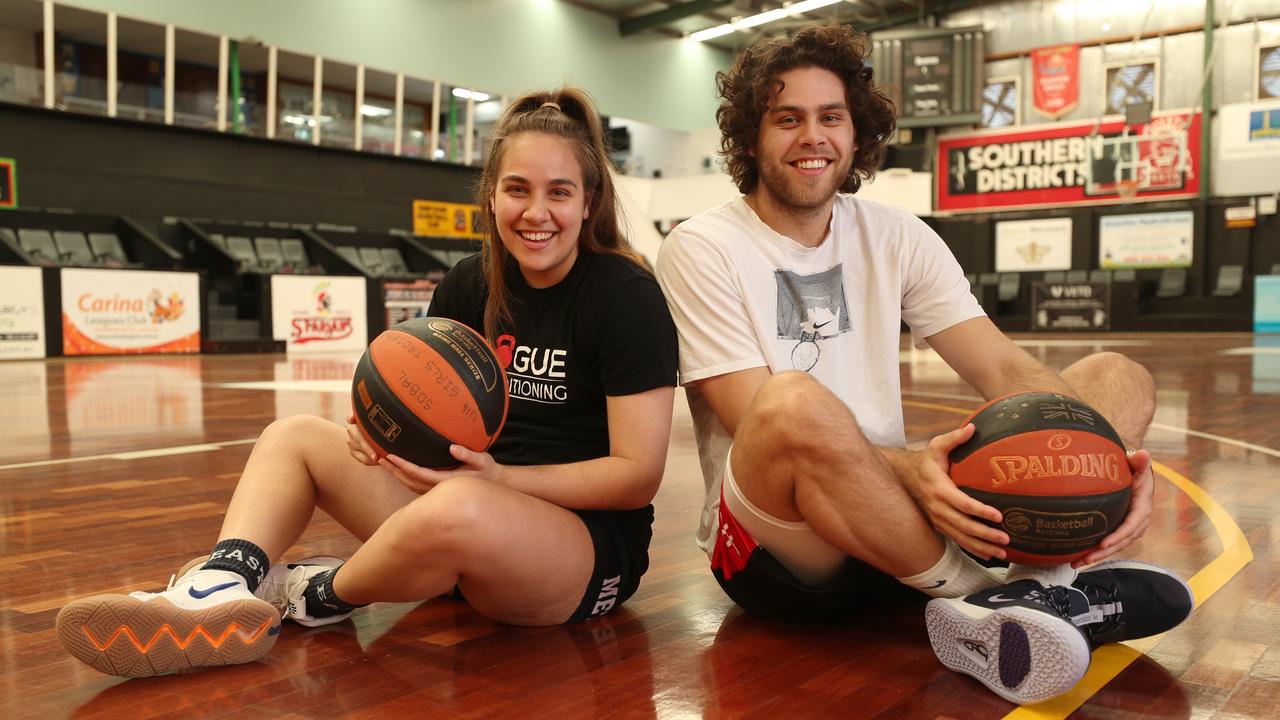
1125	600
1015	638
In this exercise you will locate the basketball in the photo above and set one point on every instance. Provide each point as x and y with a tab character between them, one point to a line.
425	384
1053	467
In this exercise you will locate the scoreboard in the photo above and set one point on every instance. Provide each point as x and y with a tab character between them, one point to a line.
938	72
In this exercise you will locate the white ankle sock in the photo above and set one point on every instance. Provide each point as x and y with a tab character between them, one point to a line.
1045	575
954	575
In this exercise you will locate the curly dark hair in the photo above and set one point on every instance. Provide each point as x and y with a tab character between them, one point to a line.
753	79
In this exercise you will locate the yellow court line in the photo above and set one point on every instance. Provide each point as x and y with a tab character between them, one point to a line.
1110	660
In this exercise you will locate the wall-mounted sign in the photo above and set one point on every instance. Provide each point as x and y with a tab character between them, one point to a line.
1077	306
1242	216
1033	245
8	183
1069	164
1055	79
127	312
318	313
21	313
444	219
1147	240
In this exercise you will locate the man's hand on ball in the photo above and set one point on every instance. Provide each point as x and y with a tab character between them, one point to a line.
946	507
1138	519
419	479
358	446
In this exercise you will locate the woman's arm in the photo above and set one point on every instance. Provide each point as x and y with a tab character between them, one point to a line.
628	477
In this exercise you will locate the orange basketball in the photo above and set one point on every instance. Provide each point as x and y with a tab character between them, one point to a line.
425	384
1055	469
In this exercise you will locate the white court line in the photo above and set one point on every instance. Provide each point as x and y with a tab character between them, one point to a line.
1158	426
1252	351
134	455
331	386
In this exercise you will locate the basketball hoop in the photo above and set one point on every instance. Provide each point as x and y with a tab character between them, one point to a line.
1127	189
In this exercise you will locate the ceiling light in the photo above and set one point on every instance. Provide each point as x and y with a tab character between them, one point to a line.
768	16
470	94
375	111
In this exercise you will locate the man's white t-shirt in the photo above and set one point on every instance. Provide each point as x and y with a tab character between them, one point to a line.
744	296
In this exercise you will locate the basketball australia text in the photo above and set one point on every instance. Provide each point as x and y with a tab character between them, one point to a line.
1012	469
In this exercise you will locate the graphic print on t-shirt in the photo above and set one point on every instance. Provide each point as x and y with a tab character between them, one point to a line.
533	373
810	308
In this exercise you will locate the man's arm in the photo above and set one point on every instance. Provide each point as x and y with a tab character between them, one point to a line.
730	395
989	361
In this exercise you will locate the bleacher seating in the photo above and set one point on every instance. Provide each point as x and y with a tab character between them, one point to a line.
393	262
1055	277
349	254
1076	277
371	259
1230	281
270	256
1173	283
73	249
39	246
241	248
1124	275
1099	276
108	249
1008	288
295	254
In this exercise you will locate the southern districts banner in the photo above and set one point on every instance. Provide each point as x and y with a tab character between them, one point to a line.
317	313
1055	79
1065	164
129	312
444	219
21	313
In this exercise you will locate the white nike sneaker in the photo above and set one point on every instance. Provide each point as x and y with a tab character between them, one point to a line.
1017	639
205	619
285	583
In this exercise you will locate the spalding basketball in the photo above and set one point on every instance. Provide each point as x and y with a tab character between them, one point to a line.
425	384
1055	469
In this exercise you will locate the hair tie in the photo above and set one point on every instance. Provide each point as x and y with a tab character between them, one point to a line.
550	104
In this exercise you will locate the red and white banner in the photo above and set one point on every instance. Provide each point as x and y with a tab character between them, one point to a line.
1063	164
129	312
317	313
1055	79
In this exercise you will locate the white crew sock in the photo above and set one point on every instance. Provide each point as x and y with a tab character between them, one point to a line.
956	574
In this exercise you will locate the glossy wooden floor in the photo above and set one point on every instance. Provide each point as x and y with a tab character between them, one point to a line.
110	514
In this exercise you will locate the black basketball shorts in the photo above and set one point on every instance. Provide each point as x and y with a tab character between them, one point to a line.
761	585
621	540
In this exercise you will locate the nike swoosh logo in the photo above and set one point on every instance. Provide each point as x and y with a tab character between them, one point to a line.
815	327
1000	598
938	584
202	594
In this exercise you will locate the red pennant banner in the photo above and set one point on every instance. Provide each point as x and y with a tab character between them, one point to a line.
1055	79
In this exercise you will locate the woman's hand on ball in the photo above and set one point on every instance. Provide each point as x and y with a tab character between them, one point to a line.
358	446
1137	520
419	479
948	509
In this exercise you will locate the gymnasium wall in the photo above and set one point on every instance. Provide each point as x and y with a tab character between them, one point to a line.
148	171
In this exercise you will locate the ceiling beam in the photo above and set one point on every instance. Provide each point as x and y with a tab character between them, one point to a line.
631	26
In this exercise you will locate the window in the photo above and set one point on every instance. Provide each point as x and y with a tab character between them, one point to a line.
1000	103
1131	84
1269	72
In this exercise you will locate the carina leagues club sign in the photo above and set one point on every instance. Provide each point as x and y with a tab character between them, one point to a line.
1070	164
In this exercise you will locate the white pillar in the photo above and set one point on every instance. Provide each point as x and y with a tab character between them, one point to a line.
467	141
168	74
317	96
49	71
399	110
113	51
359	129
271	92
224	56
435	121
